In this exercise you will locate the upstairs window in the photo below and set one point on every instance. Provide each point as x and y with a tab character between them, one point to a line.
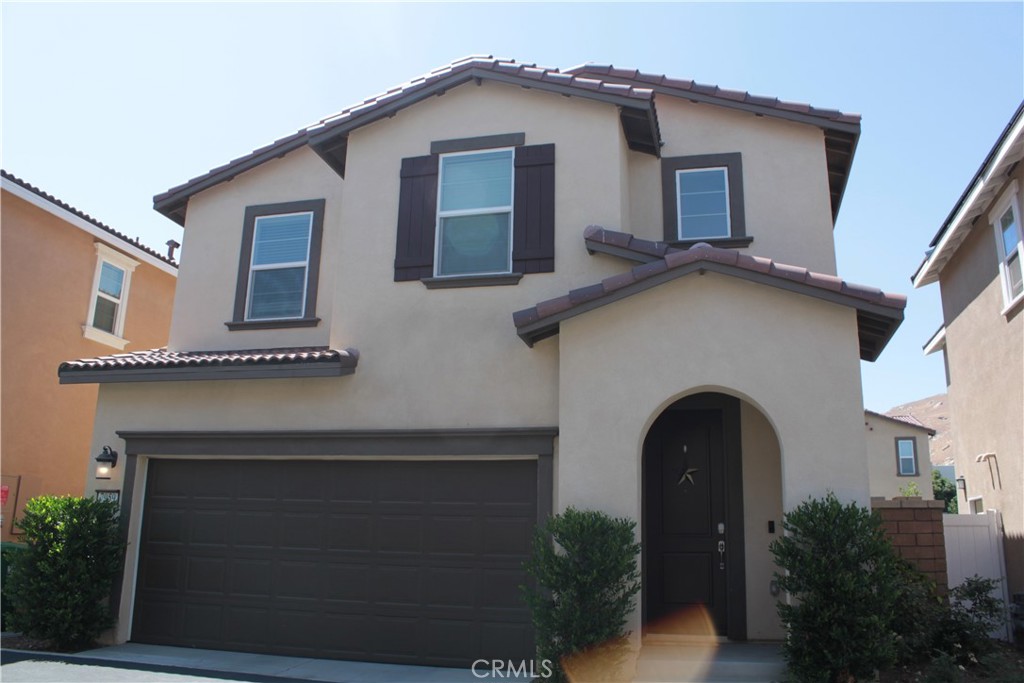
703	200
476	212
703	203
1006	220
109	298
279	266
906	457
474	218
280	260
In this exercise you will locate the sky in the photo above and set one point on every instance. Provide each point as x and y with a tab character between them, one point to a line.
106	104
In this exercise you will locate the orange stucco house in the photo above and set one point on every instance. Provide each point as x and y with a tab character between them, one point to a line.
71	286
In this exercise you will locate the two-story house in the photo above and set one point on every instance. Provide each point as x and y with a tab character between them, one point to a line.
898	455
976	257
408	333
72	286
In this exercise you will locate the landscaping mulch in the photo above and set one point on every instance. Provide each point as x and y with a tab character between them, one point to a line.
1004	665
16	641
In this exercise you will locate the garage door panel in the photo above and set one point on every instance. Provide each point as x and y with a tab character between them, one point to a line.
394	561
205	575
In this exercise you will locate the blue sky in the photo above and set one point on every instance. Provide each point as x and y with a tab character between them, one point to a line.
105	105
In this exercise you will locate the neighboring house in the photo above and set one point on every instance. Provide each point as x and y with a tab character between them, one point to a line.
932	412
71	285
424	350
898	455
977	257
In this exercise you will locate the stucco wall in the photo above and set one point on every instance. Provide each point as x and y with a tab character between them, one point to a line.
880	441
622	364
47	427
785	181
985	352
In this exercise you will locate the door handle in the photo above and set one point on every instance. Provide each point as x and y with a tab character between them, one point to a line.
721	554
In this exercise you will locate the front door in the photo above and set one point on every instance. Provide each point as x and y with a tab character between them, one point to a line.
692	585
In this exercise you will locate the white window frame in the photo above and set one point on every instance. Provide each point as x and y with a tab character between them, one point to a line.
1008	200
115	339
913	458
971	504
473	212
278	266
679	204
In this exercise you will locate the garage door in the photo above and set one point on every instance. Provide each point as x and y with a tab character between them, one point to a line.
389	561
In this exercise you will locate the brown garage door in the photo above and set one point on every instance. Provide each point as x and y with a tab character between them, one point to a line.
389	561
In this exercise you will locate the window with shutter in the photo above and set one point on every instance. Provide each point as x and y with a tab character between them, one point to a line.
476	215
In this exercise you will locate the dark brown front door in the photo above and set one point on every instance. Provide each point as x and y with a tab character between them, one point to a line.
692	583
389	561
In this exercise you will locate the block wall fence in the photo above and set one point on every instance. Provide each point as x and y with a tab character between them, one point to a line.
915	528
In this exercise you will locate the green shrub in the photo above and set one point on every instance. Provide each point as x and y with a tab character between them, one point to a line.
60	584
841	572
7	552
584	564
920	615
944	490
974	612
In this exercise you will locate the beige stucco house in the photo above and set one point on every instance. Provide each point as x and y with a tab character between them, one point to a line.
898	454
976	257
72	286
405	334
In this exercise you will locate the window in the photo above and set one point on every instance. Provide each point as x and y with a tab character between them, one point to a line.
476	212
906	457
703	200
109	298
474	218
703	203
279	266
1006	220
977	505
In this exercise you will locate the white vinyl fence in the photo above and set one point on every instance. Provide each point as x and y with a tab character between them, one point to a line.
974	545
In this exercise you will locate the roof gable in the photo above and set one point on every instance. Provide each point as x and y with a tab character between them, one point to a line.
841	130
630	90
878	314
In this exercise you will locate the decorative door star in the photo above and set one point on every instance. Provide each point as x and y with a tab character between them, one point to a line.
687	476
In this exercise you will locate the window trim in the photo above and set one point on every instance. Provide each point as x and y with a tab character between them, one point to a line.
240	319
438	277
115	338
732	162
899	459
1008	200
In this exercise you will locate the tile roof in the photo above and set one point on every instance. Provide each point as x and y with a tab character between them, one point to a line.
123	364
879	313
592	81
904	419
712	91
86	217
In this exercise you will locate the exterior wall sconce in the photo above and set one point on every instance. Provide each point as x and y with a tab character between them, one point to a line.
106	461
961	484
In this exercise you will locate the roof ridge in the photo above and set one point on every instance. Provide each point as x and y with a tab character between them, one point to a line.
84	216
714	91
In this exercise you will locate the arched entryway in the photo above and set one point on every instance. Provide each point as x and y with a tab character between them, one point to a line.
694	579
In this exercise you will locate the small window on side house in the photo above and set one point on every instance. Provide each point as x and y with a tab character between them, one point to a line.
474	218
703	200
977	505
1006	220
906	457
109	298
279	266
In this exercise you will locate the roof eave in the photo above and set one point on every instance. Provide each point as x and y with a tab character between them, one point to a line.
876	323
971	203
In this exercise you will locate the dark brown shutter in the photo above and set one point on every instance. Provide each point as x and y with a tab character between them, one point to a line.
533	232
417	217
